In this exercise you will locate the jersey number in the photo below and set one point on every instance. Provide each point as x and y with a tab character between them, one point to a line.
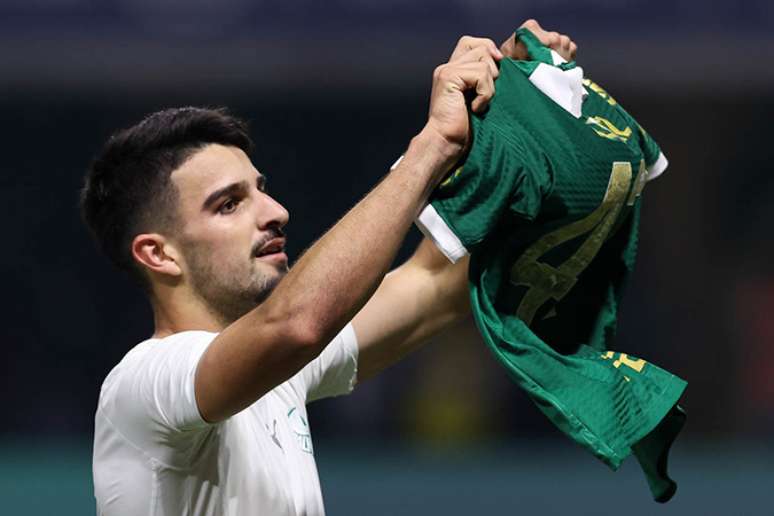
545	282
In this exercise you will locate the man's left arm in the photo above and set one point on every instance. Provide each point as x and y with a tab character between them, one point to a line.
427	293
415	301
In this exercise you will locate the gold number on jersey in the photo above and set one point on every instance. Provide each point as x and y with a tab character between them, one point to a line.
636	364
624	359
545	282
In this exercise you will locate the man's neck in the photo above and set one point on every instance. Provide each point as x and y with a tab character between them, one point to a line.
174	313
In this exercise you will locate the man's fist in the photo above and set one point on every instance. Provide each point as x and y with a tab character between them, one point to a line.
472	69
561	43
470	75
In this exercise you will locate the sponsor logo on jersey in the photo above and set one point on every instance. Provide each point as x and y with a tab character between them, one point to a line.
606	129
300	428
273	433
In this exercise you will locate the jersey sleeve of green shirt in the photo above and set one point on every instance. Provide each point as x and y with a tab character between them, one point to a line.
494	180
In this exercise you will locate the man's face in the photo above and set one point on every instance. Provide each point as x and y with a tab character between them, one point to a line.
230	236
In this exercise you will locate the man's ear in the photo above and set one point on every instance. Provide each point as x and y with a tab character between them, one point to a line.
156	254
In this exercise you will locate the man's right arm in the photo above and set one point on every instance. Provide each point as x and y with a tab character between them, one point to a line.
339	273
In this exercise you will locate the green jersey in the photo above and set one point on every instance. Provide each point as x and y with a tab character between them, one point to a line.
547	203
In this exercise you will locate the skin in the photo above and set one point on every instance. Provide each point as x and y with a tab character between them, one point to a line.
207	275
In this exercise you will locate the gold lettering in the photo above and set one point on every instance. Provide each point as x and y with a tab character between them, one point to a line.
606	129
639	184
545	282
596	88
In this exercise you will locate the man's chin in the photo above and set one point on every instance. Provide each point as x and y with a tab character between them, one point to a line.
270	280
281	270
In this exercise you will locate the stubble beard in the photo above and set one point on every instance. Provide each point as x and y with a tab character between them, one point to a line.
227	294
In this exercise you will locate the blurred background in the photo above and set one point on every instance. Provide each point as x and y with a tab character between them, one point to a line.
334	91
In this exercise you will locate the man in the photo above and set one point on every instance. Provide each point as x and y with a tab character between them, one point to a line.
208	416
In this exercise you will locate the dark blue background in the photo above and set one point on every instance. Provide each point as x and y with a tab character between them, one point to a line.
333	92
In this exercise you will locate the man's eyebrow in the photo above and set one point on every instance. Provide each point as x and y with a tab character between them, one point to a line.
231	189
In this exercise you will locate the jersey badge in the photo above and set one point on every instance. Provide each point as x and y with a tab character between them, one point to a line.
606	129
300	428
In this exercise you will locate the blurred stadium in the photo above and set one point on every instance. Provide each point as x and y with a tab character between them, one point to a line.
334	90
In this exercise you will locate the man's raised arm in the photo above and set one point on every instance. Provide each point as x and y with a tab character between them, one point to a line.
427	293
337	275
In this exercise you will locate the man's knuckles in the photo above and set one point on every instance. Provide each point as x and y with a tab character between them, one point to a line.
532	25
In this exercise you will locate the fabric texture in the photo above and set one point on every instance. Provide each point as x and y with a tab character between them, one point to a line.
547	203
155	455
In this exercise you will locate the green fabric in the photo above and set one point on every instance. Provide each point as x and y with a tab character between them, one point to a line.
548	205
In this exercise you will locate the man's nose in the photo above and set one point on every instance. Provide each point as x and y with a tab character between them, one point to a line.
271	213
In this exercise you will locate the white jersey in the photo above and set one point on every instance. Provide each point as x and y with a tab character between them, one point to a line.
154	455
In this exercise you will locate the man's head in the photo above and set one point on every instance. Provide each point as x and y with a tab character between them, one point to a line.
176	201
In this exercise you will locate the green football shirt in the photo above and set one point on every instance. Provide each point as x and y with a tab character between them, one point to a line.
547	203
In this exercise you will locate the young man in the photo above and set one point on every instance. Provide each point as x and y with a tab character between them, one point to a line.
208	416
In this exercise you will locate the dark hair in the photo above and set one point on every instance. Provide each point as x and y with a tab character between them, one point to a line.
128	191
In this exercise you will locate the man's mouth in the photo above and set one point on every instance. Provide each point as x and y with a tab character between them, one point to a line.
273	246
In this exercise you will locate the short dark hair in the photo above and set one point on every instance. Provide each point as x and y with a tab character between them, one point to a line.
127	188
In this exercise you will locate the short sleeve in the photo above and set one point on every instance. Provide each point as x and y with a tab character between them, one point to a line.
150	397
655	161
492	185
334	371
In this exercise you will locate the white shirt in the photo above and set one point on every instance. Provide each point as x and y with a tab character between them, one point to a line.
154	455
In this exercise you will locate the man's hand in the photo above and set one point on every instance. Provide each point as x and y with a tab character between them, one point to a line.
472	68
471	71
561	43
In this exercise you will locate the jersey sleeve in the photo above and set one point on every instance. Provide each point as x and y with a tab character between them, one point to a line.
334	371
655	161
493	184
150	398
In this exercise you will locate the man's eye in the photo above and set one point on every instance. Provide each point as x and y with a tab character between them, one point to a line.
228	207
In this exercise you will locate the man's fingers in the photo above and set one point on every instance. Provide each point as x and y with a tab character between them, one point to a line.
477	77
468	77
532	25
485	91
469	43
561	43
564	46
514	49
564	43
480	54
470	73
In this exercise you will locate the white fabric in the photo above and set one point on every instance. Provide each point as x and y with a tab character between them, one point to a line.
658	168
565	87
433	227
556	58
155	456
